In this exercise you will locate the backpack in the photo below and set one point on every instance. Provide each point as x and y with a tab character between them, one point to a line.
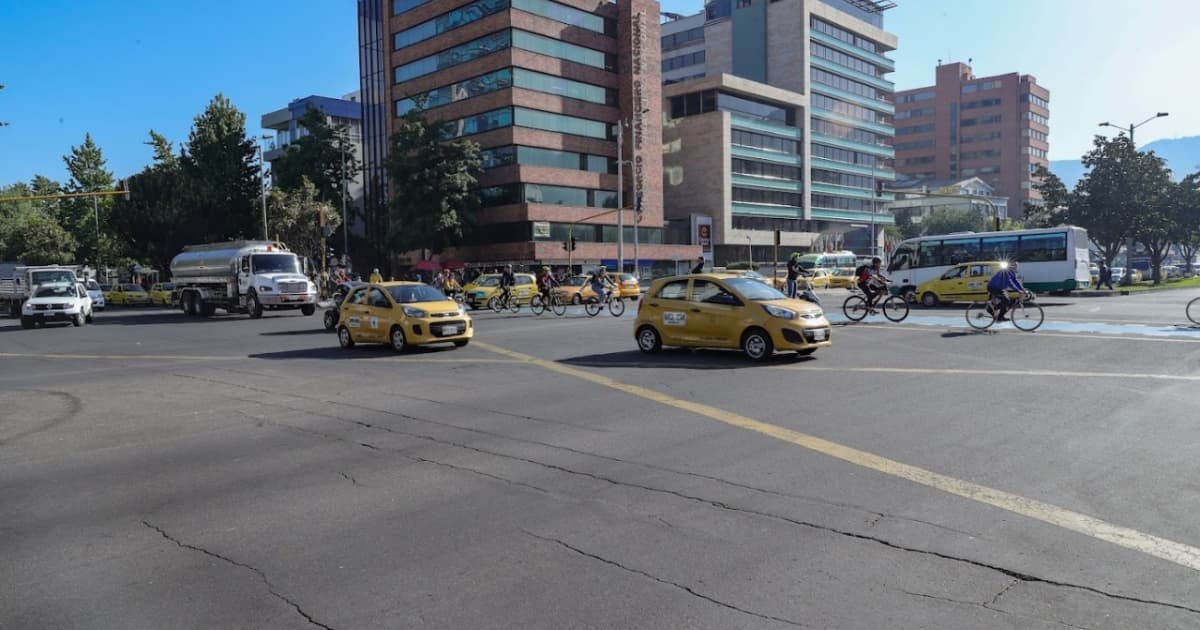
860	270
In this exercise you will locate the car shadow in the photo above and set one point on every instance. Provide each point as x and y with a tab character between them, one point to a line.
361	351
682	358
132	318
292	333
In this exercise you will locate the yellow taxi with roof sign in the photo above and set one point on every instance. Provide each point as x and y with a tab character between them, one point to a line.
163	293
402	315
964	282
728	311
477	293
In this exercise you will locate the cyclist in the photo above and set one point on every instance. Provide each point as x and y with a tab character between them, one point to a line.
546	284
600	282
507	280
872	281
998	286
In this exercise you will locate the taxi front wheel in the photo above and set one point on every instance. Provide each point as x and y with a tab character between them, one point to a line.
649	340
757	345
344	338
399	343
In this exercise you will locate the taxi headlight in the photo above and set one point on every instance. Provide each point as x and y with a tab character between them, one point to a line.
413	312
778	311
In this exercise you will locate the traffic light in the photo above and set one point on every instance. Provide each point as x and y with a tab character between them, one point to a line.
572	242
637	207
569	244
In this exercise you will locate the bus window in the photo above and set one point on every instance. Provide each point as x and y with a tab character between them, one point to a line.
930	254
960	250
1043	247
1000	248
902	259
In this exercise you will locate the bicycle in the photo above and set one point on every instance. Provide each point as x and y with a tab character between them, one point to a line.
1023	312
616	305
894	307
505	300
538	304
1193	311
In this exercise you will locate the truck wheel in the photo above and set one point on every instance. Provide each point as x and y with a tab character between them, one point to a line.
77	320
207	310
26	323
308	309
254	307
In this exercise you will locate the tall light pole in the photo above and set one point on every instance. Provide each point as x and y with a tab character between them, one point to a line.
1127	279
342	138
621	127
750	244
637	199
262	175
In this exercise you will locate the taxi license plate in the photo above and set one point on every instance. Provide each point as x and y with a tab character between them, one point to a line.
449	330
819	335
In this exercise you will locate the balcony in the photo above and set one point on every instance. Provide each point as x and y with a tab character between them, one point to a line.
851	73
853	51
870	103
873	149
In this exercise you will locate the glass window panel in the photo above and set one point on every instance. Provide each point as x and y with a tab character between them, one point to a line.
483	84
479	123
448	22
1043	247
452	57
566	15
562	50
1000	247
537	81
400	6
561	123
498	156
959	250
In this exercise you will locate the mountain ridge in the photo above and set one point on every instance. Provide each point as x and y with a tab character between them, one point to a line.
1182	156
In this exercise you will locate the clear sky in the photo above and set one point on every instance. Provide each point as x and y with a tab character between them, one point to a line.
122	67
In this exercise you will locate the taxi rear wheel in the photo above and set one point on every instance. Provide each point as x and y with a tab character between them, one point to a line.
399	342
344	338
649	341
757	344
928	299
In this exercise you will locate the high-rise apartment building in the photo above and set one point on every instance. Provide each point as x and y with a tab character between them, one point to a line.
780	112
995	128
541	86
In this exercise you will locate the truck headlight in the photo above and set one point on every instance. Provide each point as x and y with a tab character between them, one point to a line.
780	312
27	308
265	289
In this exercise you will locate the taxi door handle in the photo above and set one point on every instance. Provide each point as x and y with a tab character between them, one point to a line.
655	304
695	310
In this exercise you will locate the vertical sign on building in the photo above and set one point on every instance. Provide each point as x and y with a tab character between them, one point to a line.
639	102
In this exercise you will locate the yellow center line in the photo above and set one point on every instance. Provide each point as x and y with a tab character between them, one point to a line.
956	372
1178	553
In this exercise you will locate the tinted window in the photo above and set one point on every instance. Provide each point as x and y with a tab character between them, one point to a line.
676	290
956	272
755	290
55	291
408	294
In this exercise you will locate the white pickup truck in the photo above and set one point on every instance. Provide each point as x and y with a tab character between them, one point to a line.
57	302
18	287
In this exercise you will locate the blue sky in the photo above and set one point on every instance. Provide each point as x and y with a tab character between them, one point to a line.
121	68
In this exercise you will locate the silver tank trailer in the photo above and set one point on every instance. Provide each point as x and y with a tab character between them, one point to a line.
217	260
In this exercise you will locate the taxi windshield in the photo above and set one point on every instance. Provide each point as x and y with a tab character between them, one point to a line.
412	293
755	290
576	281
489	281
133	287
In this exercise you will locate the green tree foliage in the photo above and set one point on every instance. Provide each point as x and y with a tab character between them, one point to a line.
948	220
319	157
294	216
905	227
434	183
1149	183
38	239
86	167
221	170
1102	202
1052	212
151	222
1185	205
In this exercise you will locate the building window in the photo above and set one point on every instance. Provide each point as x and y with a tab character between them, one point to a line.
978	155
483	84
914	98
847	85
771	197
987	102
563	50
683	38
567	15
683	61
983	137
982	120
911	129
497	157
915	113
916	144
754	108
767	170
536	156
821	51
764	142
837	106
500	195
400	6
1037	118
1035	100
853	134
848	180
568	196
842	203
447	22
453	56
567	88
925	159
835	32
1035	134
537	119
1034	151
478	123
845	155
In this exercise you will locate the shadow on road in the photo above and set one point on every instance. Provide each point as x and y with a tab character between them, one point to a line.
950	334
133	318
291	333
681	358
361	351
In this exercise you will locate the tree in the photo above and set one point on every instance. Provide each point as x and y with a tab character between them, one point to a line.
951	219
905	227
295	216
1101	203
222	175
1186	206
1150	185
323	156
86	217
36	239
1052	211
152	222
434	183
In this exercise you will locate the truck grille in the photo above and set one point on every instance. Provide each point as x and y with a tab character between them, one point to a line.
293	287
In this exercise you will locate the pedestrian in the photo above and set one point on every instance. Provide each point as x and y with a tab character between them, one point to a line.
376	277
793	273
699	268
1104	276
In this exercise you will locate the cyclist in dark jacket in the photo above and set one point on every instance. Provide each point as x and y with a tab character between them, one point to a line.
1003	281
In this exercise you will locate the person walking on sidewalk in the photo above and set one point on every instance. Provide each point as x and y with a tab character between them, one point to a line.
1104	277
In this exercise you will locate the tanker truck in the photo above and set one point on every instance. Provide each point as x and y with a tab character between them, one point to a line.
241	277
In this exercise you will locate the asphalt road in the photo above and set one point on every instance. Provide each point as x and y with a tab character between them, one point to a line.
158	471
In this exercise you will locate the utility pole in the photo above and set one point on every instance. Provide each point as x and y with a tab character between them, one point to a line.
621	196
262	176
96	210
637	195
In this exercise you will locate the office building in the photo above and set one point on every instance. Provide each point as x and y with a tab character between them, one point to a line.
995	128
540	86
345	111
779	117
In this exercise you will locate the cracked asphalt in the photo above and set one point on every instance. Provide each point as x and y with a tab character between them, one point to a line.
162	472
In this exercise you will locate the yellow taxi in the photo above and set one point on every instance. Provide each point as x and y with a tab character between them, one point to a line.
727	311
627	286
818	280
575	290
107	290
965	282
477	292
842	278
402	315
162	293
128	295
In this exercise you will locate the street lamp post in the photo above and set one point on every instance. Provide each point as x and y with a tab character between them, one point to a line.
621	126
750	244
1127	279
262	175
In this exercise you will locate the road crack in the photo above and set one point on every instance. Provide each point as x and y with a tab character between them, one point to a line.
683	587
261	576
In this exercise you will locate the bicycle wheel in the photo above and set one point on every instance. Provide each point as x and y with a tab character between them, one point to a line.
494	304
895	308
537	305
979	316
514	305
855	308
616	306
558	306
592	307
1193	311
1027	317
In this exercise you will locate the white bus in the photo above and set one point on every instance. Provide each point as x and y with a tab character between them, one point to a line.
1052	259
